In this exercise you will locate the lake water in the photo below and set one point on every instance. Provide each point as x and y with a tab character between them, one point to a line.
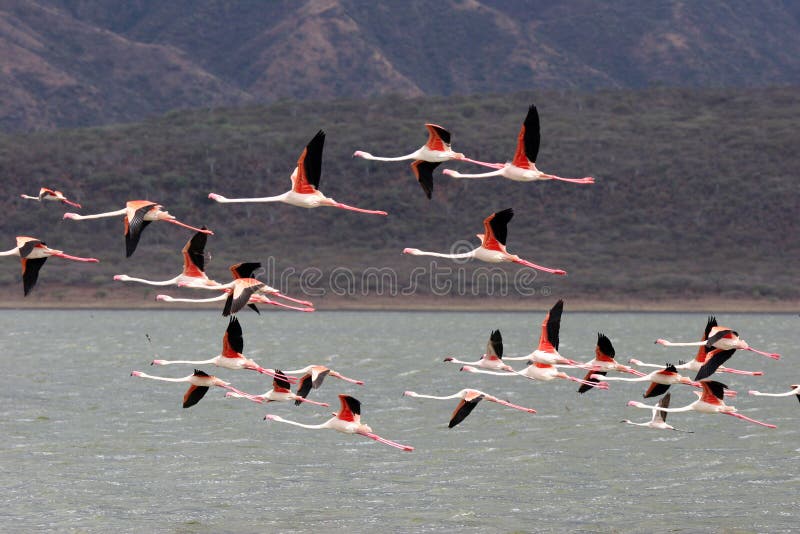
86	447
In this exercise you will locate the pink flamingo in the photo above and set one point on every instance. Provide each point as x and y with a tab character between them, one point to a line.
659	418
314	376
701	357
603	362
721	337
426	158
193	273
231	356
709	401
661	380
47	194
493	358
305	182
33	253
547	351
493	245
242	291
523	167
138	214
280	392
347	421
469	399
199	384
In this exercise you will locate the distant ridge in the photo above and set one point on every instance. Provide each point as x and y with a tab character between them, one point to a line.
88	62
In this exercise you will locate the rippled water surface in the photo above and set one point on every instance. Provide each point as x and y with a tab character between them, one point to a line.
87	447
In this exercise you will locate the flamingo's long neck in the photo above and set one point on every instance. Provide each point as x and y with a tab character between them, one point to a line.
367	155
456	174
326	424
79	217
417	252
686	344
126	278
789	393
13	252
224	200
162	378
624	379
417	395
172	362
496	373
167	298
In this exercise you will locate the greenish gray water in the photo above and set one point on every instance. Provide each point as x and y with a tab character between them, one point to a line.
87	447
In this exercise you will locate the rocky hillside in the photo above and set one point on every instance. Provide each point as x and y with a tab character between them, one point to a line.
88	62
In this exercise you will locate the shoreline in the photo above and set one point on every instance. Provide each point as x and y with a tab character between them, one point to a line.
144	299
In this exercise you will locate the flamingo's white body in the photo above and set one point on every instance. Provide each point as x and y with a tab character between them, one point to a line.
435	151
51	195
493	245
658	421
231	356
347	420
137	215
305	181
33	253
709	401
523	167
469	399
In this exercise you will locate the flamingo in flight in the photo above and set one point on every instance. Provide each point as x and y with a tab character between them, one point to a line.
347	420
661	380
138	214
199	383
280	392
721	337
602	363
523	167
314	376
305	178
47	194
426	158
659	418
493	245
547	350
33	253
537	371
242	291
794	391
701	357
709	401
193	273
231	356
493	358
469	399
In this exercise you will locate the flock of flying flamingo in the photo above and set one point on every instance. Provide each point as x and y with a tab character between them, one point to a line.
717	346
